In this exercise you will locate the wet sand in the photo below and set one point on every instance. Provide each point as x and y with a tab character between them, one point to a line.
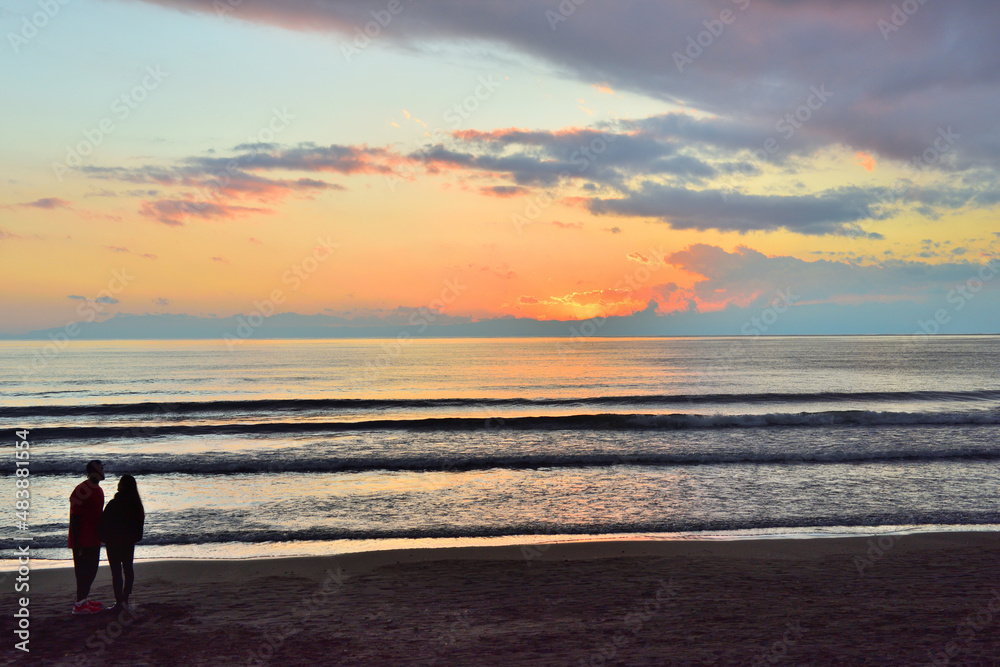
904	600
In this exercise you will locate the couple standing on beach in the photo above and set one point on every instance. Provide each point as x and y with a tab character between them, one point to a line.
118	526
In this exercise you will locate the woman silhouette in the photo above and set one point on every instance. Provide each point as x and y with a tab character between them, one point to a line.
120	528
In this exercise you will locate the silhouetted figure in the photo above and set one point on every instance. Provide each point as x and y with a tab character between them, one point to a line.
121	527
85	506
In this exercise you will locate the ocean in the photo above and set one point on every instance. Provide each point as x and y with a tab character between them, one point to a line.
294	447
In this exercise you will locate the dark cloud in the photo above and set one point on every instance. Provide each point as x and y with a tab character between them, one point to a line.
210	180
174	211
745	274
831	212
679	151
799	76
523	169
892	90
504	190
147	174
47	203
335	158
609	156
614	157
211	184
313	184
716	132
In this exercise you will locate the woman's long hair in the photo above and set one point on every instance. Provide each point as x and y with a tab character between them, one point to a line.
128	495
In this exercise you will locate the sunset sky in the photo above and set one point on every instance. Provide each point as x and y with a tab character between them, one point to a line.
490	158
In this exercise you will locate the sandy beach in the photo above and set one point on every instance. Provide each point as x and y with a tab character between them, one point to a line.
900	600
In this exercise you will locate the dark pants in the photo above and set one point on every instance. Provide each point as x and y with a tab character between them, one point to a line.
85	562
120	559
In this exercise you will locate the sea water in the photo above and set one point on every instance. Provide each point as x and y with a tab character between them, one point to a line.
307	447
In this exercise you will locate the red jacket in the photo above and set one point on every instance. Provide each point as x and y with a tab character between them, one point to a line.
87	501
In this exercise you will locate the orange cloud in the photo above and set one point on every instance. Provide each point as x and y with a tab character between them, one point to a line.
865	160
638	257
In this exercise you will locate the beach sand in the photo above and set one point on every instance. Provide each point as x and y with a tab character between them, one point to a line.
697	602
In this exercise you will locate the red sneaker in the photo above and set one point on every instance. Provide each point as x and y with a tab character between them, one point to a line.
95	606
83	608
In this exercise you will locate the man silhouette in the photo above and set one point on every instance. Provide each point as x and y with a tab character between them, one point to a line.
86	504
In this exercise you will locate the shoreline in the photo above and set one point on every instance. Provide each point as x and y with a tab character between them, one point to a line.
783	545
787	546
337	548
870	599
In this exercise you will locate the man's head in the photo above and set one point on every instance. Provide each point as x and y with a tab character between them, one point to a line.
95	471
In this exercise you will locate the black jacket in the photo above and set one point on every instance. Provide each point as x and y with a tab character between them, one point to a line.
119	525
